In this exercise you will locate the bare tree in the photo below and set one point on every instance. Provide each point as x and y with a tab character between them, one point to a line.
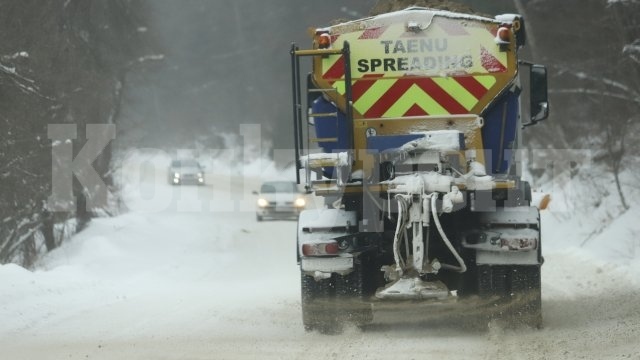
59	63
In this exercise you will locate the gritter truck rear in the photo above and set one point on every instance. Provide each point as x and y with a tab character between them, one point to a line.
408	127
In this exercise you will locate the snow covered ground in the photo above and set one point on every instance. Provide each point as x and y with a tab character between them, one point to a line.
188	273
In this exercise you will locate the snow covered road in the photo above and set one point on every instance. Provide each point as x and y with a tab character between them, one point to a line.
196	281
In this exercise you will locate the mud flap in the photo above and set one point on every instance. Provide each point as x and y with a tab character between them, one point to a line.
514	292
319	310
351	296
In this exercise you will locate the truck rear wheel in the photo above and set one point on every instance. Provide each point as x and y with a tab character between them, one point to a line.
516	293
351	293
319	310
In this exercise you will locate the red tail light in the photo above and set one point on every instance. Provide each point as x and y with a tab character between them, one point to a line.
332	248
320	249
519	243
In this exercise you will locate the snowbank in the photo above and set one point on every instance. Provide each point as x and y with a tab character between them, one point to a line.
586	217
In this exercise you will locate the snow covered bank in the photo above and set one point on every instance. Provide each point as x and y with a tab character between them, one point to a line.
586	218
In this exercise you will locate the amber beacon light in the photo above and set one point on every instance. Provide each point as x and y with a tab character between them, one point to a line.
324	41
503	36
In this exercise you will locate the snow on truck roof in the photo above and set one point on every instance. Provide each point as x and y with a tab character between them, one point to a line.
431	12
449	14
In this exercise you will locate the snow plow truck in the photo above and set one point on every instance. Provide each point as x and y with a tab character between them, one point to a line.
407	125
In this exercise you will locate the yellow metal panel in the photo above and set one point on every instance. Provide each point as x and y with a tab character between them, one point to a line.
415	96
373	94
457	92
467	124
486	80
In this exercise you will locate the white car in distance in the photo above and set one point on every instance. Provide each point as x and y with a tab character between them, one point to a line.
279	200
186	171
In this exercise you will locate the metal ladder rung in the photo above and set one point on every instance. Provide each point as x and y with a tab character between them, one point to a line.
333	139
322	90
332	114
323	183
315	52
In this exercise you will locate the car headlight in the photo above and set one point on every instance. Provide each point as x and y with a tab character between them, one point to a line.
262	202
300	202
176	175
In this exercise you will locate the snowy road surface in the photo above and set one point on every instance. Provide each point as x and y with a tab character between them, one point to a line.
190	280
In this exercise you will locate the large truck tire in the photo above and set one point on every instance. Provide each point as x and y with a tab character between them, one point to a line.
515	293
351	295
319	310
526	296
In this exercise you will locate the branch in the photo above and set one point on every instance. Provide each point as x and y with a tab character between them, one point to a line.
19	80
23	238
610	82
634	58
14	239
596	92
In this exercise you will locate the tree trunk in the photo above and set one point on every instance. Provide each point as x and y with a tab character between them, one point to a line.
47	231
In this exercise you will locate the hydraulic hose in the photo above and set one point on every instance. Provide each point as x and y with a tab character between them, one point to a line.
399	227
462	268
